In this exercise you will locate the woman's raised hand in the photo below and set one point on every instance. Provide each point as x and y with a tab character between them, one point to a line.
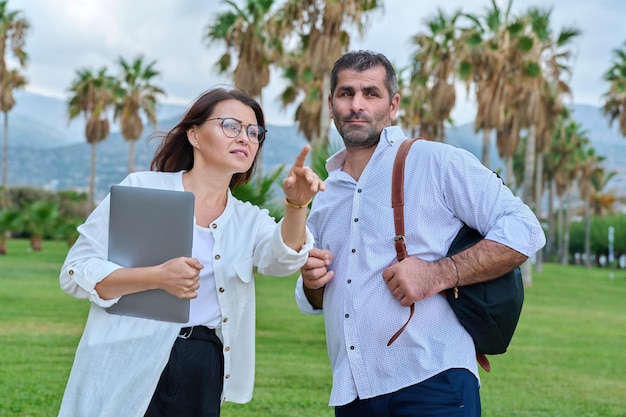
302	183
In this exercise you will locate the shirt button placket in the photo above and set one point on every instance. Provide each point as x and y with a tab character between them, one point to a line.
350	331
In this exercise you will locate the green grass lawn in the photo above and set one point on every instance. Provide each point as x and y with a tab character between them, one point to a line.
568	357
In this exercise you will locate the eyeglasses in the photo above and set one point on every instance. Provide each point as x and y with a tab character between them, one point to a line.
232	128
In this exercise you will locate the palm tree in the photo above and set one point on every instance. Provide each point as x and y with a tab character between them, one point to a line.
543	85
92	95
502	61
135	93
568	153
485	63
534	99
604	201
589	167
321	29
552	161
12	80
261	192
38	219
556	70
525	102
614	107
8	221
13	30
414	113
437	60
244	30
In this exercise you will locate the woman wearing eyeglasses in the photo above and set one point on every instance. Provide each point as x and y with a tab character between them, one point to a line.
128	366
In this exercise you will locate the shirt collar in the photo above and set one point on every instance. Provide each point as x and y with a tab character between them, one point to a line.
388	137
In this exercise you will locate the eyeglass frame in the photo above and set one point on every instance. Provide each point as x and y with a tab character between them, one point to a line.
262	130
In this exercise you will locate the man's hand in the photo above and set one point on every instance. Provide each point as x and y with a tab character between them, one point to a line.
413	279
315	275
315	272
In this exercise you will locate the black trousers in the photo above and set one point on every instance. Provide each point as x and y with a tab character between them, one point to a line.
192	381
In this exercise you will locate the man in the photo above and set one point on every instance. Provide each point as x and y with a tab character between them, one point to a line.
353	277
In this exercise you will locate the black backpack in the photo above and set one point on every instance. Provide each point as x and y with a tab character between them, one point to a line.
489	311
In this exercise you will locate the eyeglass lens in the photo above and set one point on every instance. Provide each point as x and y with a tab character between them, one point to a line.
232	128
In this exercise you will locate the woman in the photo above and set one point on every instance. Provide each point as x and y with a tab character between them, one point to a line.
127	366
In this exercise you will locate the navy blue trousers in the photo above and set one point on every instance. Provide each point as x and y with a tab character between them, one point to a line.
452	393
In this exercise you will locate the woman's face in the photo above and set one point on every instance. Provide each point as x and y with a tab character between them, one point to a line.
214	148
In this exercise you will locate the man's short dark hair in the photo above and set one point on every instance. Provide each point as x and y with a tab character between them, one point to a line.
361	61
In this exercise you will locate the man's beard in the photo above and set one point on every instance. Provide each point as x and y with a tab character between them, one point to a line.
359	136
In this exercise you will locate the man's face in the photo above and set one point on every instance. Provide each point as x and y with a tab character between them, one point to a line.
361	107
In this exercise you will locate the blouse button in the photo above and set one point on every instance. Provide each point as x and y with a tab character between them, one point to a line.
70	272
353	250
214	226
351	347
221	289
217	257
227	376
225	319
227	348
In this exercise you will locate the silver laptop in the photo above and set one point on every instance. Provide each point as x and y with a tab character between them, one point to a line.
147	227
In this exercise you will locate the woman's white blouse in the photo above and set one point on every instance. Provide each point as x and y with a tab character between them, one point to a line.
119	359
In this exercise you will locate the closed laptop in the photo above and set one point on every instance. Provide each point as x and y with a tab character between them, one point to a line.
147	227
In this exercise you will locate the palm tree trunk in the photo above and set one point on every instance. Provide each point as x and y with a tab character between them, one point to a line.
538	180
551	224
527	276
510	175
527	197
258	170
36	243
131	156
561	229
440	135
5	161
587	233
566	224
529	166
92	178
324	117
486	151
538	205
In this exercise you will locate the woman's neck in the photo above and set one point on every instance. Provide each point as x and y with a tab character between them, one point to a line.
211	195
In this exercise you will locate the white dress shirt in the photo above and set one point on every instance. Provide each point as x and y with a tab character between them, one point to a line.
444	186
119	359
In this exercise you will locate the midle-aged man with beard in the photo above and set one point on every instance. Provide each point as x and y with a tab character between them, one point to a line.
354	279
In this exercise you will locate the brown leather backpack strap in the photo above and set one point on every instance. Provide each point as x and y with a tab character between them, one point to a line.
397	203
397	197
483	361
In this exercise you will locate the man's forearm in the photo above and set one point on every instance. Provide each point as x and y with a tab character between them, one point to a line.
315	297
485	261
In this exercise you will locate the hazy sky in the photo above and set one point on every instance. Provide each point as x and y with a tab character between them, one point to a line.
67	35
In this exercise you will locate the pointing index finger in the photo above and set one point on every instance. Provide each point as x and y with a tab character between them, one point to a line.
301	158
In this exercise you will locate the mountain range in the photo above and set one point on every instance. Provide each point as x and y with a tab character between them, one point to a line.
47	151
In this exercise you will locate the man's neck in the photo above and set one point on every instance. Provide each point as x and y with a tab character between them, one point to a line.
356	160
